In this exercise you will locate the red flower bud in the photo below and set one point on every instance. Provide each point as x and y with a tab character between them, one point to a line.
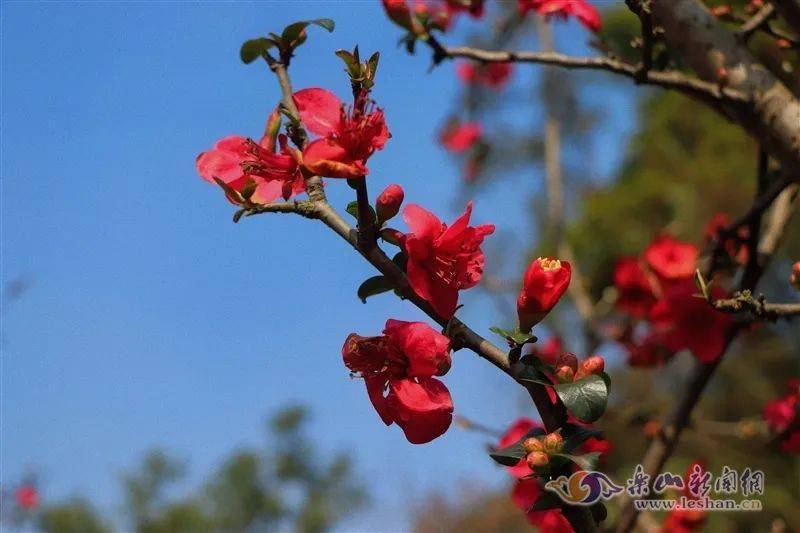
532	444
721	11
565	374
553	443
536	460
544	282
795	279
388	203
567	359
592	365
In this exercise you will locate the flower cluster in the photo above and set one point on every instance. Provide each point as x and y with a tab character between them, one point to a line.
580	9
419	17
783	419
658	288
261	172
398	369
527	490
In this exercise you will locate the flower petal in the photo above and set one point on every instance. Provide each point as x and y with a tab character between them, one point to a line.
320	110
423	410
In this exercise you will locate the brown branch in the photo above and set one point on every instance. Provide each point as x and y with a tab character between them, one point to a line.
756	22
667	79
758	307
641	8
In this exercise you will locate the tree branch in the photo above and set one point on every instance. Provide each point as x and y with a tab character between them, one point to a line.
756	22
758	307
694	87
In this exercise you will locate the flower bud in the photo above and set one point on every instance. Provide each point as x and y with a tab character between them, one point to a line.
388	203
592	365
721	10
651	428
795	279
392	236
532	444
398	12
567	359
565	374
544	282
536	460
553	443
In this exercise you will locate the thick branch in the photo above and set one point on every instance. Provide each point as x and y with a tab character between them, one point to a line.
715	53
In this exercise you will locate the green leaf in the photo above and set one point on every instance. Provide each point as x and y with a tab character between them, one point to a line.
510	455
575	435
599	512
585	398
587	461
530	373
547	500
372	286
292	31
514	335
352	208
255	48
349	60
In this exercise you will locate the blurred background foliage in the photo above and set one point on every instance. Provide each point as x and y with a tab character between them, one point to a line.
285	486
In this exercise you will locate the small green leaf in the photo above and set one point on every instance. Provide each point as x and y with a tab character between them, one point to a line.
238	215
510	455
547	500
514	336
352	208
349	60
575	435
585	398
255	48
587	461
372	286
292	31
530	373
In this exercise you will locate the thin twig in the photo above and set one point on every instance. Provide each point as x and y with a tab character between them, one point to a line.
668	79
756	22
758	307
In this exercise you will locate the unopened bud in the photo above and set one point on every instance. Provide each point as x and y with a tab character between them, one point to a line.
722	10
795	278
553	443
532	444
592	365
565	374
391	235
388	203
651	428
567	359
536	460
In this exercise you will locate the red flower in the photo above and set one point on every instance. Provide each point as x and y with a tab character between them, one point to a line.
671	259
26	497
238	161
580	9
398	369
460	136
735	247
635	292
388	203
428	14
526	492
781	417
649	352
494	75
348	138
684	521
473	7
689	322
544	282
443	260
513	434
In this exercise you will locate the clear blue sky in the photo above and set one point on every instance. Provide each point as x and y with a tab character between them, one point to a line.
151	319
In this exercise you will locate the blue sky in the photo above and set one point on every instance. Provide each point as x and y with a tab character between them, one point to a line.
151	319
